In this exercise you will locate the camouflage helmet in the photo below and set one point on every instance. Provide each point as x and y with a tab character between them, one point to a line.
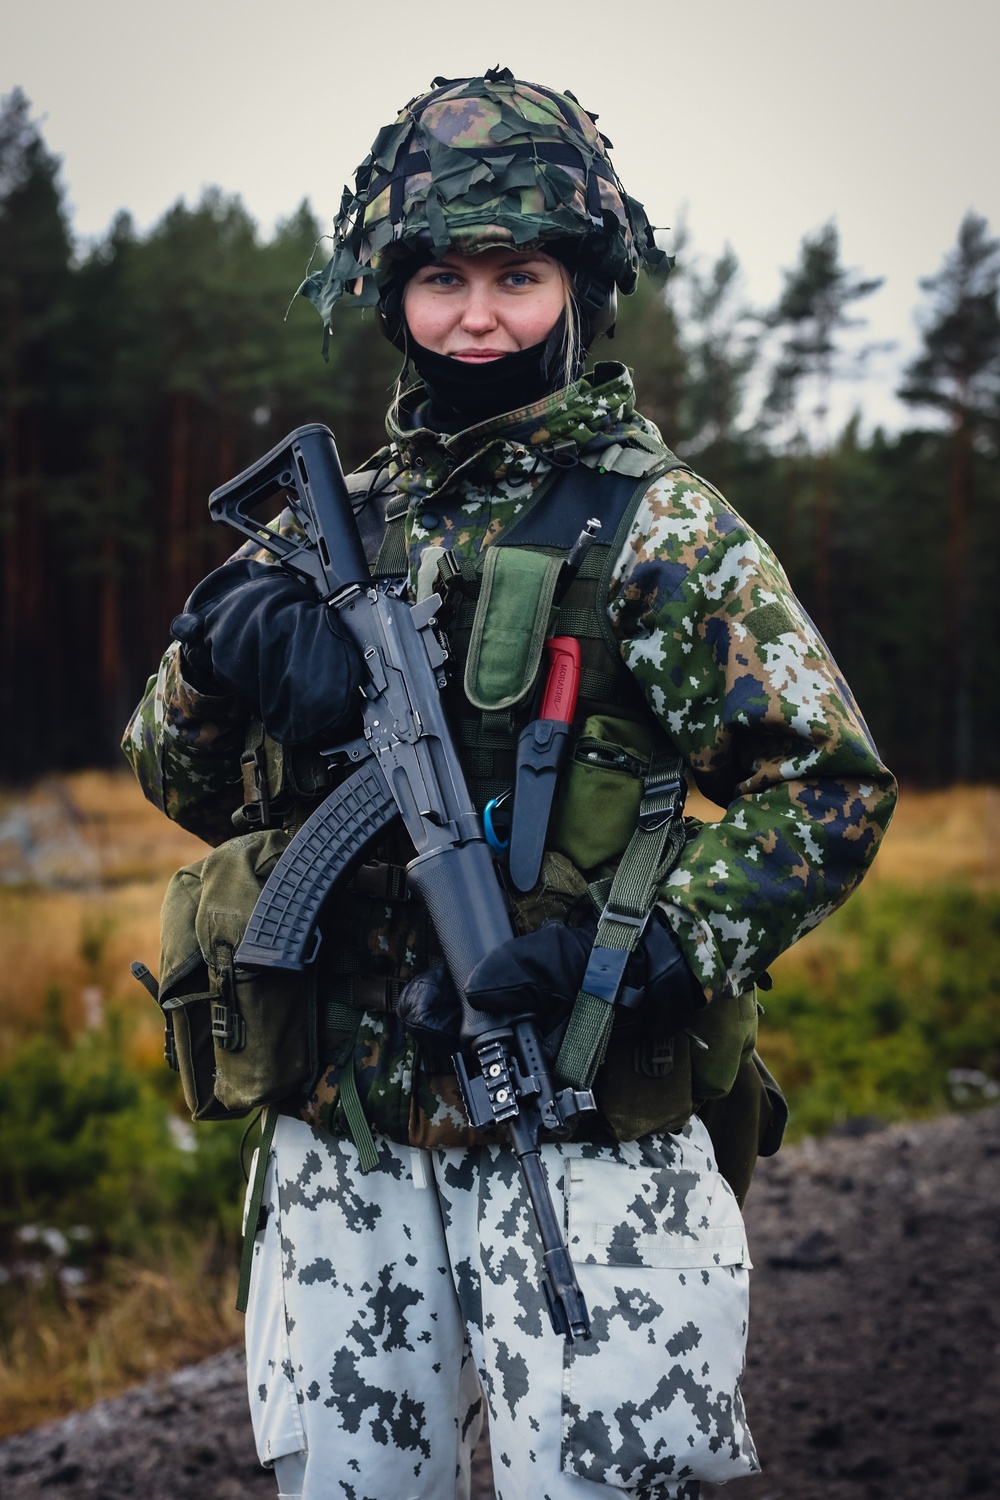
478	163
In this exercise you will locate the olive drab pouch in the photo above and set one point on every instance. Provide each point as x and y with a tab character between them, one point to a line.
650	1082
596	807
239	1037
721	1036
513	616
644	1084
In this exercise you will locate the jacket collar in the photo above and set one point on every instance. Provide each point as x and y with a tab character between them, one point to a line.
593	417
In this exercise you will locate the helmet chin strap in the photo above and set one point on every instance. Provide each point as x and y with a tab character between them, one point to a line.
597	302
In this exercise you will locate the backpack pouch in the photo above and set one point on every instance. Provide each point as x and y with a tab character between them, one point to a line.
185	997
242	1037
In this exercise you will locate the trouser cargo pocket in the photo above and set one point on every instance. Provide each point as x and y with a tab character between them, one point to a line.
660	1252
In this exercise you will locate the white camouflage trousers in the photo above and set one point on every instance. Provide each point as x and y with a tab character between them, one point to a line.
384	1307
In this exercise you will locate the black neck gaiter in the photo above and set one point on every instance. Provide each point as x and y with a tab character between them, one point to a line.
463	395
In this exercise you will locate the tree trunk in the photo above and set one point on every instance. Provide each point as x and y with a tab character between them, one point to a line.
958	655
178	580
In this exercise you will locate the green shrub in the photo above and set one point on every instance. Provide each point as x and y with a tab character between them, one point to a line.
882	1003
90	1140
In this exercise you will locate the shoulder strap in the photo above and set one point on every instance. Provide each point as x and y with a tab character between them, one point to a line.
391	559
651	853
560	513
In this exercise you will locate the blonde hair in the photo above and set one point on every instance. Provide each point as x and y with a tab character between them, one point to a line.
572	351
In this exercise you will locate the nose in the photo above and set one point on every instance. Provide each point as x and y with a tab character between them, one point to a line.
479	311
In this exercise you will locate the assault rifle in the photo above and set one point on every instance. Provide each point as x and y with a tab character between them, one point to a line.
406	766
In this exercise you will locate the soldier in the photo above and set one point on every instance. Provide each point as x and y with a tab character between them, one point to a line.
394	1287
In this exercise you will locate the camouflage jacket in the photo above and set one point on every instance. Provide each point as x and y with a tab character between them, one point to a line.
706	621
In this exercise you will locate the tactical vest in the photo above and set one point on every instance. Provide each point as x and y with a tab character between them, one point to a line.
487	722
282	784
615	733
488	711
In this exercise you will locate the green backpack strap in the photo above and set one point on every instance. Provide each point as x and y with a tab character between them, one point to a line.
651	852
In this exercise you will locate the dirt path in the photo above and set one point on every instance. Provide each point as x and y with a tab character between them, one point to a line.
873	1369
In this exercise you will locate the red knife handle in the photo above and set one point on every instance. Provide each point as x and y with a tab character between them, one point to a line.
563	682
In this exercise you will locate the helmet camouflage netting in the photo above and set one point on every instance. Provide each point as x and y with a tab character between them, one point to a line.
475	163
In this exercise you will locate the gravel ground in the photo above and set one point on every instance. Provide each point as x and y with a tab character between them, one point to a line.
872	1372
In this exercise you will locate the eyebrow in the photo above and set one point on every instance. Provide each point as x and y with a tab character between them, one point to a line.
514	258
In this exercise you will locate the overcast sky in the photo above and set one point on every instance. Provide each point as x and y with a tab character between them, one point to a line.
755	120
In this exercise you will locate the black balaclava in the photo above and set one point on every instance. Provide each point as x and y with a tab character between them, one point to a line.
463	395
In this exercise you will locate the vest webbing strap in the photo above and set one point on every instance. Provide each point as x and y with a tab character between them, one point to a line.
344	1012
651	852
343	1020
268	1120
392	561
354	1114
360	1134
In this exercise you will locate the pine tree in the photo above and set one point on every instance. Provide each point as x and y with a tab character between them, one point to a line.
811	315
957	374
720	342
34	285
646	339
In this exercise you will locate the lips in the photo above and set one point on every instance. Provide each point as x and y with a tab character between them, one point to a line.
479	356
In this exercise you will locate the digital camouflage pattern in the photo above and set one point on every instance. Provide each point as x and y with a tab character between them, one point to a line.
477	163
185	748
730	665
363	1360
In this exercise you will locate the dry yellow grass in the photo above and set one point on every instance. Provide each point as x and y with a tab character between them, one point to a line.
64	1354
85	862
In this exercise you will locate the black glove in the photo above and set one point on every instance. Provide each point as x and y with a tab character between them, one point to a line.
540	974
429	1006
251	629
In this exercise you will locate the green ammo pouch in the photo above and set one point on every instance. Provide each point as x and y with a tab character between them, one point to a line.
645	1084
721	1036
596	808
240	1037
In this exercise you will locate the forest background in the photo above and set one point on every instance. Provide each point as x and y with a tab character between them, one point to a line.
142	368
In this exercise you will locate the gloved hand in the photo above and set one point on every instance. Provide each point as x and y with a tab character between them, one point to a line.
429	1006
251	629
540	974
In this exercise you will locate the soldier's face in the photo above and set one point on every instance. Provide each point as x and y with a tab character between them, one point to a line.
477	308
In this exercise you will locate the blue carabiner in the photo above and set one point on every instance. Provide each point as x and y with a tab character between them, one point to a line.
498	845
